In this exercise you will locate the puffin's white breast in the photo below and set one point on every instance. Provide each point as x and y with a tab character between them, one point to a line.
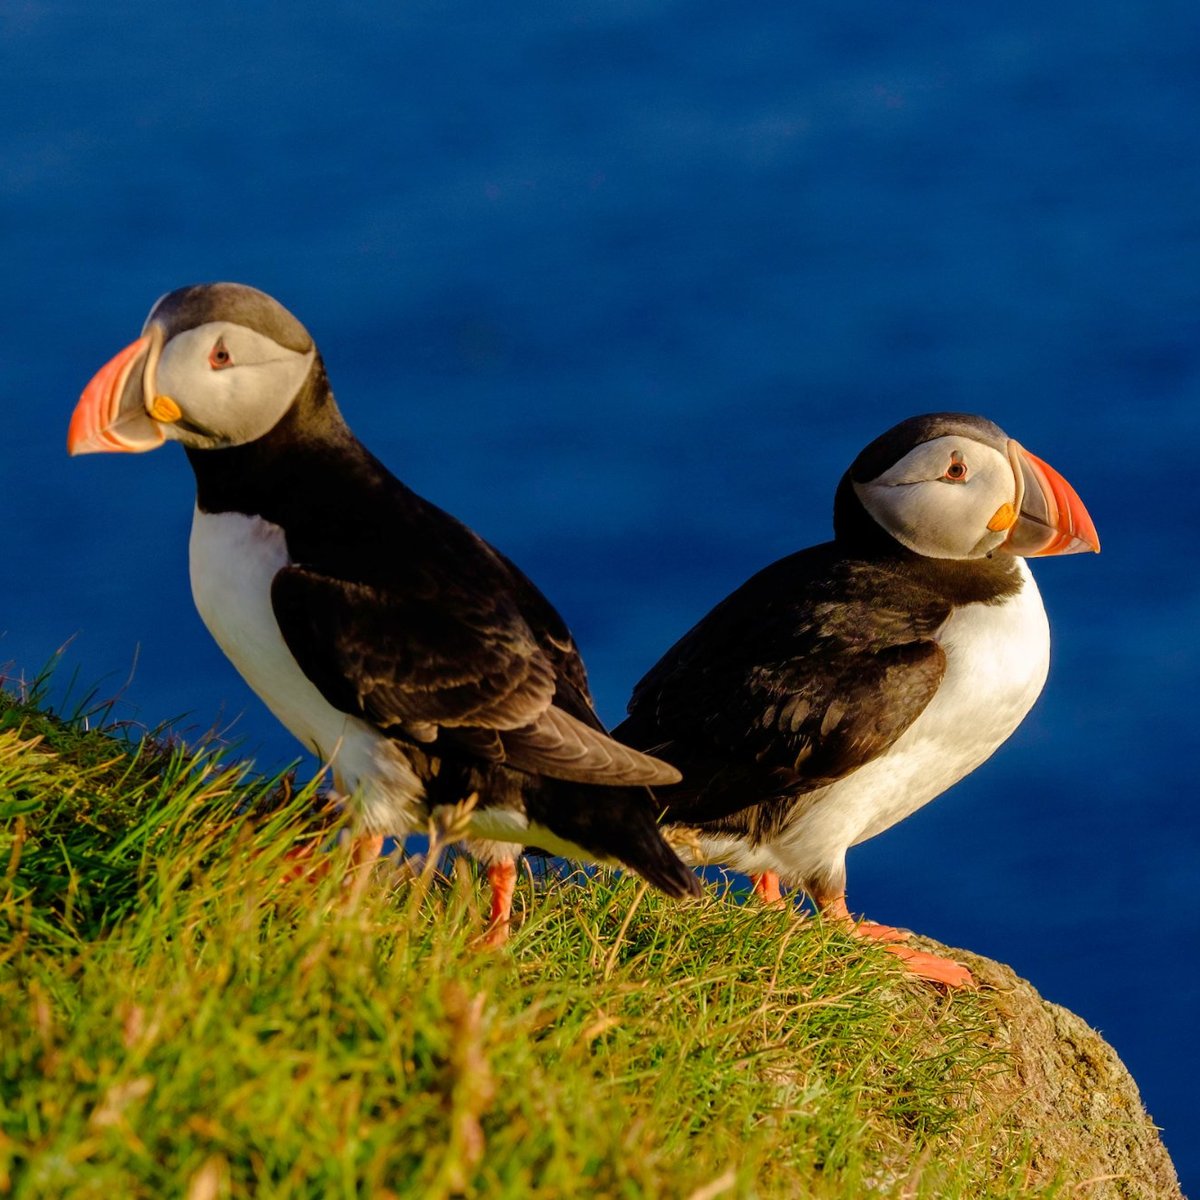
232	560
997	657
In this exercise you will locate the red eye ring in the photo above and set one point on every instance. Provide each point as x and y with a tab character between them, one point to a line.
219	357
956	472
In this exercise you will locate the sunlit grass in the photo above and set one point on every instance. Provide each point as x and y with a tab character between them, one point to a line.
177	1018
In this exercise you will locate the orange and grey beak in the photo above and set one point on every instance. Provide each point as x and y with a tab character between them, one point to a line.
111	414
1050	517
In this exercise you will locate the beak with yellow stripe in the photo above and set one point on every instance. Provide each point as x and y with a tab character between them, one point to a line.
217	365
115	413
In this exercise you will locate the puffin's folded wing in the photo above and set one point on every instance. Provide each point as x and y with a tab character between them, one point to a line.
410	664
820	725
804	690
465	671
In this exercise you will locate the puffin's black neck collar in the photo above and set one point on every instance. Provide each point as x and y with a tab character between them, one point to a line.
251	478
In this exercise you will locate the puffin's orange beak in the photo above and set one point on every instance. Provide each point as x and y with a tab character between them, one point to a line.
1051	518
111	414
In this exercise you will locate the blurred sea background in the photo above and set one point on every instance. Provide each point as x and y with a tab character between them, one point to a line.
625	286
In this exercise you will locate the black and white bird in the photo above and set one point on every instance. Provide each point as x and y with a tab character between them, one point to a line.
845	686
391	640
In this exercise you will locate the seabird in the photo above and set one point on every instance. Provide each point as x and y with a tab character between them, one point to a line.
843	687
391	640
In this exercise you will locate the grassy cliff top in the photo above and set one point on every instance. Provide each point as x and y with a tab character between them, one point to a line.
178	1018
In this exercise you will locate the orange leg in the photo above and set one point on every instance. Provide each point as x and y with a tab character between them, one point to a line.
502	878
919	962
364	854
366	849
766	888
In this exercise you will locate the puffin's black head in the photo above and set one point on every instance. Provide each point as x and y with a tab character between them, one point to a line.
217	365
955	486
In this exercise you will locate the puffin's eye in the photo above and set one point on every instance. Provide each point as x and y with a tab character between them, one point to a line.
219	357
956	472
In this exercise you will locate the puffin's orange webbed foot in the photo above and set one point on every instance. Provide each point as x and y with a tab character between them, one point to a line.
836	910
880	933
920	963
933	967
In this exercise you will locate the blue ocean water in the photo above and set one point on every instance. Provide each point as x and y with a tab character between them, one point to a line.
626	285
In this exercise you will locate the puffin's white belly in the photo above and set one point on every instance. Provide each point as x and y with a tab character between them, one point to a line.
997	657
232	559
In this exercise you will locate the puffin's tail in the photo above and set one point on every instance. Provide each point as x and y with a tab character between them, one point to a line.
660	866
615	824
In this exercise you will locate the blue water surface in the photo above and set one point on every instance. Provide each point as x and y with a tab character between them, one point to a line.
626	285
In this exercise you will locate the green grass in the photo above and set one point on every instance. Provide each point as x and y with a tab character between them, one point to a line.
177	1019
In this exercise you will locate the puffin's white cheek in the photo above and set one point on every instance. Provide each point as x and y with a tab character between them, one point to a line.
967	534
942	526
937	520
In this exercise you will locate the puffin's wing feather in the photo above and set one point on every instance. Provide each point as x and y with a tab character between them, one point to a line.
821	725
562	746
555	640
463	671
795	680
401	660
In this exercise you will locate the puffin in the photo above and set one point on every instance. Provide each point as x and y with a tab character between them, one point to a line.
843	687
393	642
